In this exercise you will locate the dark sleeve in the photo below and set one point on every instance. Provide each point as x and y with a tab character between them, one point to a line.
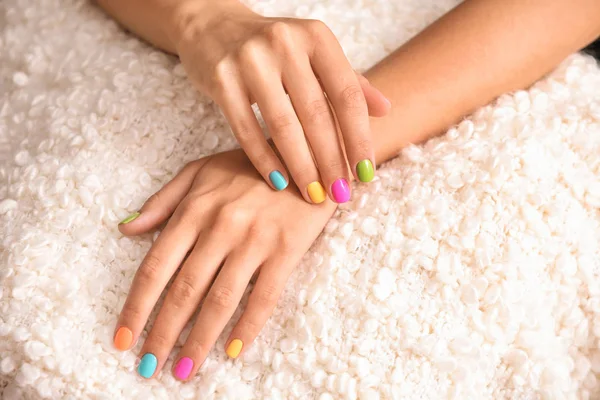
594	49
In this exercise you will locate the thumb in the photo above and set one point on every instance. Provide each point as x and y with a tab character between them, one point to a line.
378	104
159	207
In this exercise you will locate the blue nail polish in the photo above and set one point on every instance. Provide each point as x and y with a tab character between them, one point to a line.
278	180
147	365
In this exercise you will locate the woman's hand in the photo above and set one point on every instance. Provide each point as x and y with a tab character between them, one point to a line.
239	57
232	225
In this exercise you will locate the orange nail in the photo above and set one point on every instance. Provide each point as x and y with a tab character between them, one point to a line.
123	338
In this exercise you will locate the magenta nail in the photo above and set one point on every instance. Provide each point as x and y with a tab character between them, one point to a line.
183	368
340	191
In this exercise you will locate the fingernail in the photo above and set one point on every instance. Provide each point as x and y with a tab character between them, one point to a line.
234	348
147	365
183	368
130	218
341	191
364	170
123	338
388	102
278	180
316	192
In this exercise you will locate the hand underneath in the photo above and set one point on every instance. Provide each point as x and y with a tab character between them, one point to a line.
233	226
238	58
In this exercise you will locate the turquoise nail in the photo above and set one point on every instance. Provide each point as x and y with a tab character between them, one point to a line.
278	180
147	365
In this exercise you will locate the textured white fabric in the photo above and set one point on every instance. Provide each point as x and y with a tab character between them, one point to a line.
467	270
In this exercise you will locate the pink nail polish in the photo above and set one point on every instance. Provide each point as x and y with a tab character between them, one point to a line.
340	190
183	368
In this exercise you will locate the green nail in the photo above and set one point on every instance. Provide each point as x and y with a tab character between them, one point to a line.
130	218
364	170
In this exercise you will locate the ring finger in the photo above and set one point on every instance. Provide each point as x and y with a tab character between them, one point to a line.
218	307
319	127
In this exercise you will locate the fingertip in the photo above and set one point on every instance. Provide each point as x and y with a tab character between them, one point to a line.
278	180
340	191
130	218
183	368
234	348
316	192
132	224
147	366
123	339
364	171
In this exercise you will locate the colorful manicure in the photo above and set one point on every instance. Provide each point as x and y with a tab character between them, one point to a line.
234	348
130	218
183	368
278	180
123	338
364	170
316	192
147	365
341	191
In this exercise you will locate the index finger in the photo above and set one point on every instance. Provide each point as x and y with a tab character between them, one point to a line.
152	276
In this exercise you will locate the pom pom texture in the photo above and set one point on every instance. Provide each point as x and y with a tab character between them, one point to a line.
468	268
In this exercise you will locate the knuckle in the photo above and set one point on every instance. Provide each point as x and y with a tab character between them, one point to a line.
352	97
183	290
245	135
154	200
363	147
318	111
197	347
316	27
267	296
224	72
335	166
231	216
131	312
220	297
287	243
158	341
304	174
281	123
263	158
150	268
280	33
251	51
260	231
249	327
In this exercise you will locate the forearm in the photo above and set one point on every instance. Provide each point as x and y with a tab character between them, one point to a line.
479	50
161	22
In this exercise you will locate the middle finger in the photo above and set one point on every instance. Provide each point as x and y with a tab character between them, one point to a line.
218	307
319	126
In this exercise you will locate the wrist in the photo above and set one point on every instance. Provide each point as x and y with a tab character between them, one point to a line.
188	18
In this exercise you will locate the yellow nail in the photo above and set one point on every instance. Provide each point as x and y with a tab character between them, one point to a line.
234	348
316	192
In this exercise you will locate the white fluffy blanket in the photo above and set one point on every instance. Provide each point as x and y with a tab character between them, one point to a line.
468	270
